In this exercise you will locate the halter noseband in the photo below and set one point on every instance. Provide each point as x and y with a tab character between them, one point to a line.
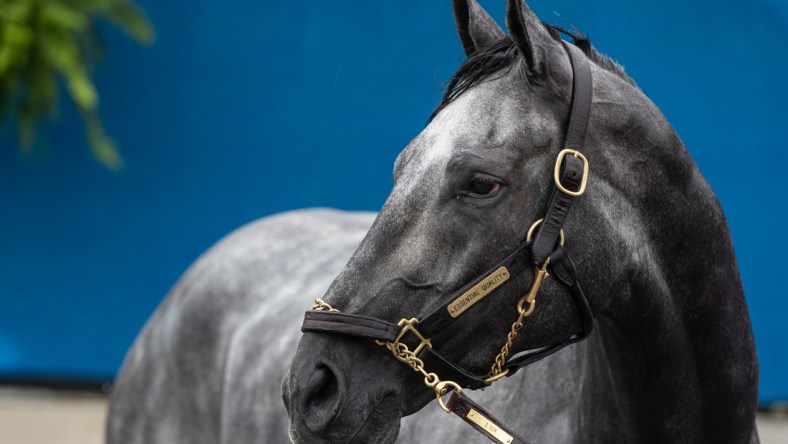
409	340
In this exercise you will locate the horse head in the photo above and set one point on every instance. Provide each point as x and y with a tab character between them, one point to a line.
466	190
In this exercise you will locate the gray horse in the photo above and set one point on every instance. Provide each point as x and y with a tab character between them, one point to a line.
672	358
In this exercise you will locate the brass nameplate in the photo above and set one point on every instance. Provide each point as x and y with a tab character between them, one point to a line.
478	291
490	427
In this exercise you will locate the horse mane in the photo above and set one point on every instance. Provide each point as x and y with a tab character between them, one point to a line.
499	57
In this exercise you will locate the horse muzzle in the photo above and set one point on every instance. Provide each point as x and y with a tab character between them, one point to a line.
339	393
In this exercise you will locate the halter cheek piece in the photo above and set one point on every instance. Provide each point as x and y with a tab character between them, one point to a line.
409	340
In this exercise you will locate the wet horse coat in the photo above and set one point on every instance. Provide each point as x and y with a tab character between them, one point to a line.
672	359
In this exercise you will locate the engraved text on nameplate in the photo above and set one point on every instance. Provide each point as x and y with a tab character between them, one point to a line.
478	291
490	427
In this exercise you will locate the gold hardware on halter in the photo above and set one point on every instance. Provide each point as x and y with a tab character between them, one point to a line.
532	228
497	371
492	378
539	275
557	172
409	325
402	353
322	305
441	388
478	291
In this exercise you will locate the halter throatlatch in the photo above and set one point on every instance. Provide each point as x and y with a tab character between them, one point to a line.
542	251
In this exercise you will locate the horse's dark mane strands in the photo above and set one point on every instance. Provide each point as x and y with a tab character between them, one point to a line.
479	67
502	55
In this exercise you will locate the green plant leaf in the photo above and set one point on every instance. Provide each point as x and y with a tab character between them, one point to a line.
103	147
61	15
15	10
48	43
82	91
16	34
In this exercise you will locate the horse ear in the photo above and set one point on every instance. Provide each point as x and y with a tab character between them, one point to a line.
527	31
476	28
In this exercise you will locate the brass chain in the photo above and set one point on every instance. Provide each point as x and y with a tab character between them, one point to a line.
497	371
403	354
321	305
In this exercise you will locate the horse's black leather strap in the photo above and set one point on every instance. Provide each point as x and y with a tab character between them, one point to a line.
582	88
438	319
559	202
441	318
557	210
451	371
350	324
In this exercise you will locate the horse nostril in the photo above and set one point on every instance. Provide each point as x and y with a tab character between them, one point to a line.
322	399
324	388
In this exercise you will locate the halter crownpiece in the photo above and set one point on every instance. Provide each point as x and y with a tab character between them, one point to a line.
542	251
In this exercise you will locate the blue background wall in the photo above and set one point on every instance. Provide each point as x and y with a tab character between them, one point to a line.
243	109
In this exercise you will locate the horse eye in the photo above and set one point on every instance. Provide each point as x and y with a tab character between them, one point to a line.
483	186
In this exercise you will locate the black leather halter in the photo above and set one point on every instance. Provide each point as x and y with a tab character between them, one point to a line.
545	252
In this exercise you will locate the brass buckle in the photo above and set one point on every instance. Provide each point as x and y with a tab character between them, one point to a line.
409	325
557	172
532	228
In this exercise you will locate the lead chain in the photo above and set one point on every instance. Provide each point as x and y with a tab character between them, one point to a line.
497	371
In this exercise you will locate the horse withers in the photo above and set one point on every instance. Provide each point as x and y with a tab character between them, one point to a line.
671	357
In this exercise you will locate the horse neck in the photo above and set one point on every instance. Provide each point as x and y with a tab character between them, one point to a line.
674	353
